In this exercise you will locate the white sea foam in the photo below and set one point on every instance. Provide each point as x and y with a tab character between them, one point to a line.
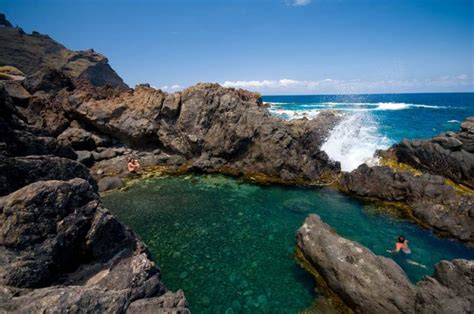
392	106
295	114
276	103
359	106
454	121
354	141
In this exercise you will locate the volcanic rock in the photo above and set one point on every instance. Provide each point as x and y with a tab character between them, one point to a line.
367	283
449	155
48	80
110	183
432	202
17	172
30	53
3	21
216	128
85	157
78	138
449	290
56	237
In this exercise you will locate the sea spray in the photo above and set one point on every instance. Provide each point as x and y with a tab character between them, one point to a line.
354	140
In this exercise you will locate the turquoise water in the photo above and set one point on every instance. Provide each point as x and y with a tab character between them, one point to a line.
398	116
374	122
229	244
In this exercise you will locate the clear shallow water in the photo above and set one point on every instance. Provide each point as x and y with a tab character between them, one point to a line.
229	244
377	121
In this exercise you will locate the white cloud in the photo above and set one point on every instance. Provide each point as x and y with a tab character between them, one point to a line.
328	85
299	3
171	88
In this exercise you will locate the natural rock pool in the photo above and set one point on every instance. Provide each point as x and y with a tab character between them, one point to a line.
229	244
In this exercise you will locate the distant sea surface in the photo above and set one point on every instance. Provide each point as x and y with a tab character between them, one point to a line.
377	121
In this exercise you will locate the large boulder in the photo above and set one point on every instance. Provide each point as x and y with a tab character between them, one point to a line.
449	290
367	283
77	138
57	238
110	183
17	172
48	80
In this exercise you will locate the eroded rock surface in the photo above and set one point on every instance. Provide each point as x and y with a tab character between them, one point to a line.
449	154
430	199
214	129
368	283
32	52
365	282
60	249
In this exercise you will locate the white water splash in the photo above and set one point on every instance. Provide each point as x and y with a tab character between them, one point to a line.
354	141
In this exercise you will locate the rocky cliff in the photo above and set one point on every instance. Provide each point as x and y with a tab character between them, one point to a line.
32	52
213	129
363	282
203	128
60	249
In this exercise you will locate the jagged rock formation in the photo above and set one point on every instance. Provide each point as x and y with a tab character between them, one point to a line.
30	53
449	154
4	22
431	201
213	128
60	249
367	283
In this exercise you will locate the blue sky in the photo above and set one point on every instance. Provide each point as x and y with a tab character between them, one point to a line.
272	46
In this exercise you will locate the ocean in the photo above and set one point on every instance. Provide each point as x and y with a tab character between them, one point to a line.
377	121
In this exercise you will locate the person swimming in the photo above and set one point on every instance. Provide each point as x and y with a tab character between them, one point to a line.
402	245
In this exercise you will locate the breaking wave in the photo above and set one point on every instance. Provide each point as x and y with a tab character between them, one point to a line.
298	111
354	141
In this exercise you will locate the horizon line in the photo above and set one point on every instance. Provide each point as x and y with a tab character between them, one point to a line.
362	94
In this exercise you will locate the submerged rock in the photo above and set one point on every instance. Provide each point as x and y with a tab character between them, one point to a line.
110	183
367	283
299	206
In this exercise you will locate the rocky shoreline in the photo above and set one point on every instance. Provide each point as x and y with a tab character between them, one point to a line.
68	125
357	280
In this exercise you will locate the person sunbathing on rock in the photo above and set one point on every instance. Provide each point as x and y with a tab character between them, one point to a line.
133	165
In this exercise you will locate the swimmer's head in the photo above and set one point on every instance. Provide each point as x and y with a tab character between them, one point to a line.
401	239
